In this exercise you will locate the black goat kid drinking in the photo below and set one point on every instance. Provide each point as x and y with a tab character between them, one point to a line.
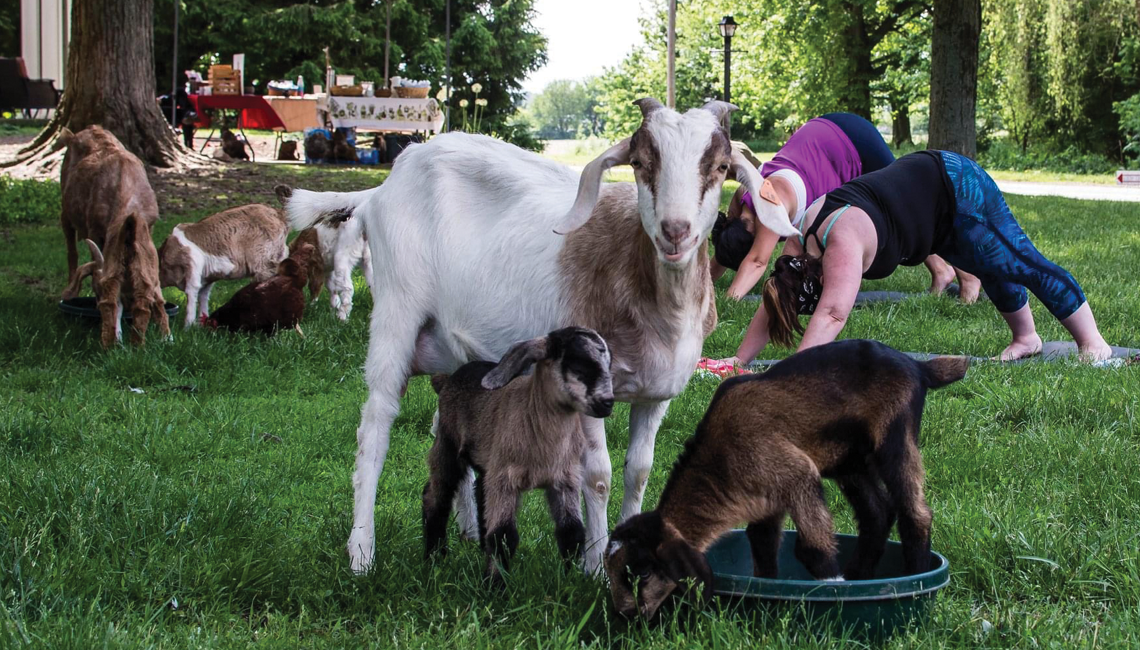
849	411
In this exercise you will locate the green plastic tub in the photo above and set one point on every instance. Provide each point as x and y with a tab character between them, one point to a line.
85	308
873	608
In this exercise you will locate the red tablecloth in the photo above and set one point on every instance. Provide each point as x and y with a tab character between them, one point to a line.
256	113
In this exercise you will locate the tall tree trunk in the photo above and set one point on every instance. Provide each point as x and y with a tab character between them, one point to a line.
110	81
900	124
954	75
857	95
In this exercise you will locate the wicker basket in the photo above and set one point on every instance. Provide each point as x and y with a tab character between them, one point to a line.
412	93
348	91
383	92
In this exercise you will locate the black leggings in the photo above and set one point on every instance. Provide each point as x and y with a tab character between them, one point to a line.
869	144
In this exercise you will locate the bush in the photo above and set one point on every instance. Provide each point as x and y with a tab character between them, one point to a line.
28	201
1129	112
1004	155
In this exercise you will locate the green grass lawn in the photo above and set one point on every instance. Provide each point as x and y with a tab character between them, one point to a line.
211	508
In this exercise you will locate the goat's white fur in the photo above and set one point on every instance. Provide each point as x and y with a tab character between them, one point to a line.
343	249
463	234
202	265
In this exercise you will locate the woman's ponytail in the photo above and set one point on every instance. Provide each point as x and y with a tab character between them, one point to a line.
793	288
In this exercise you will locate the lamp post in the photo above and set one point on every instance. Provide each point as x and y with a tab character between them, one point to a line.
727	28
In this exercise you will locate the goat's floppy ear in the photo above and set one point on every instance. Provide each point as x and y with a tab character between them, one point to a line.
750	178
96	254
684	563
590	185
63	139
520	357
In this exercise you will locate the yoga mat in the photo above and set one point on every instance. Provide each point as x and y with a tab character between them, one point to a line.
1050	351
870	297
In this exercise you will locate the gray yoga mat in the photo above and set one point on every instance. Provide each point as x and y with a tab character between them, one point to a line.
1050	351
871	297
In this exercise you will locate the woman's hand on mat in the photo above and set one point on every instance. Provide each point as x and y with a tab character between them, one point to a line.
723	368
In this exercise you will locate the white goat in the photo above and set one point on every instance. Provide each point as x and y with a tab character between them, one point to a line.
468	261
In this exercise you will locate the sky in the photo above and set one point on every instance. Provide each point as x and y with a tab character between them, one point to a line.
584	36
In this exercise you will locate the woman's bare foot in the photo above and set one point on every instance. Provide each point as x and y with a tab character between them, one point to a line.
1021	348
940	279
941	274
969	287
1095	351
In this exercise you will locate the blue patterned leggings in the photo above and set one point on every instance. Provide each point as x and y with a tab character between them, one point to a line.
988	243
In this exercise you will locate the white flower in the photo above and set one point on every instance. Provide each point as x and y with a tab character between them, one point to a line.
442	94
476	87
480	102
463	103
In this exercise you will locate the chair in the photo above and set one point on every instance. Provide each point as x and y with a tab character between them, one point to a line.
18	92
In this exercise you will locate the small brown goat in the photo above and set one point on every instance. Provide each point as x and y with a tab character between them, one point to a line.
241	242
848	411
317	146
232	146
519	434
101	183
288	150
342	151
275	304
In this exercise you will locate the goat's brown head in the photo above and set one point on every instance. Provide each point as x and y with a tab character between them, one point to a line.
126	271
579	361
647	560
679	162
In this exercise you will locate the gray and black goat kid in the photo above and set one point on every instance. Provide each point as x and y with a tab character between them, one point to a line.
518	433
849	411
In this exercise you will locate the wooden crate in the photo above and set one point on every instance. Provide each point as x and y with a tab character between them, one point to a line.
225	80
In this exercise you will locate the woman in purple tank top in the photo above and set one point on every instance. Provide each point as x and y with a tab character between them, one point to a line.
820	156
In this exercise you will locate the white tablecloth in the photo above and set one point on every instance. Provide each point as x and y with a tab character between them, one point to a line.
383	113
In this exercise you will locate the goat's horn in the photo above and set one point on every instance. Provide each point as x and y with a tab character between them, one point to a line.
648	106
96	254
719	109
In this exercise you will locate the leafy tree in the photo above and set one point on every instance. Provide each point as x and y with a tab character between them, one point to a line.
9	29
566	109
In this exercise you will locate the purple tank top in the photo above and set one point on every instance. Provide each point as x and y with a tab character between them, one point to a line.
823	156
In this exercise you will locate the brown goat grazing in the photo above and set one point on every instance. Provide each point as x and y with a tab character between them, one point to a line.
101	183
241	242
275	304
848	411
126	273
518	433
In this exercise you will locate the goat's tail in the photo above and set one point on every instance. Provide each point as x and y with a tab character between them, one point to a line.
943	371
306	209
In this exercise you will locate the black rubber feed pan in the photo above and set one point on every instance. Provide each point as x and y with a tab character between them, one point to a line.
874	608
85	308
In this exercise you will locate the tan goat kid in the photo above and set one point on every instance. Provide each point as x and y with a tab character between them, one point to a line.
242	242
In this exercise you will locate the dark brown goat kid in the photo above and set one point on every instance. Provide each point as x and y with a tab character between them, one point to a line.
849	411
108	201
275	304
519	434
